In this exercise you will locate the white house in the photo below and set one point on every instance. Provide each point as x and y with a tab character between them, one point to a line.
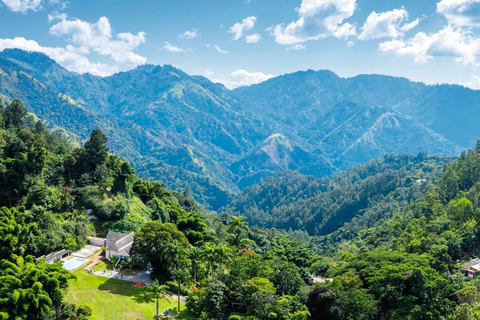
118	244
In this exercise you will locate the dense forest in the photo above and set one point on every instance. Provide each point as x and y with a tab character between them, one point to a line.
357	197
386	240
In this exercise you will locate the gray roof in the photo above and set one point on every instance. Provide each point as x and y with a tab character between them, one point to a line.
124	243
54	256
115	236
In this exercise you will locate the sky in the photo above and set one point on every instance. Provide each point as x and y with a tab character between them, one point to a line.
242	42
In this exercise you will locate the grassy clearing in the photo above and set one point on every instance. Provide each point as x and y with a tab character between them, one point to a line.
104	265
108	266
112	294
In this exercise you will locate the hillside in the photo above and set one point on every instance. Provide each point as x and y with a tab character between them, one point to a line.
48	183
345	203
186	130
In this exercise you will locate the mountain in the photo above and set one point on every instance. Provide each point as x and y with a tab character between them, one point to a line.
343	204
160	118
186	130
354	120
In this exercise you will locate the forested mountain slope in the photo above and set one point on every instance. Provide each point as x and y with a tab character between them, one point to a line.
186	130
401	259
352	200
47	186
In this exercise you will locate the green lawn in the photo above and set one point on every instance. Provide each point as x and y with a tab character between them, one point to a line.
104	265
112	294
108	266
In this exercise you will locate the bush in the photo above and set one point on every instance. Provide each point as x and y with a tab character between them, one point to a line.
195	302
84	312
173	287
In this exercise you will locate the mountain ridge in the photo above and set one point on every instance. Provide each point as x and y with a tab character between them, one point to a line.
171	124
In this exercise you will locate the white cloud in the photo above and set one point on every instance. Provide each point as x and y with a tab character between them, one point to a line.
253	38
318	19
240	27
208	73
61	4
99	38
350	44
57	16
217	48
241	78
23	5
474	82
66	57
390	24
409	26
84	38
171	48
460	13
189	34
448	42
297	47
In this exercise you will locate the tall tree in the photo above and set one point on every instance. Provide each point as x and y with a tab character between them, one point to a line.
14	114
96	151
223	254
156	291
153	241
208	254
179	275
174	252
195	255
238	226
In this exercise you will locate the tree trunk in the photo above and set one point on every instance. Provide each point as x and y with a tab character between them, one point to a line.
178	296
157	308
58	310
212	271
195	274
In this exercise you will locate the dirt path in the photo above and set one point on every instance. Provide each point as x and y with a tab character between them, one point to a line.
96	258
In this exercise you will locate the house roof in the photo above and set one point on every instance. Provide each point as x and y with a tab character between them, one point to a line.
124	243
51	257
115	236
124	252
476	267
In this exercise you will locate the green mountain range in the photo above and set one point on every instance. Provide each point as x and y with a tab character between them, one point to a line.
186	130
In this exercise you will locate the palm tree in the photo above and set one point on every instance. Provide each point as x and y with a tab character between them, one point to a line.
237	226
195	255
208	254
222	254
179	275
156	291
173	253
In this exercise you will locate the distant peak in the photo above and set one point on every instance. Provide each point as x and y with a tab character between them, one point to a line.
278	139
29	59
165	69
26	56
276	136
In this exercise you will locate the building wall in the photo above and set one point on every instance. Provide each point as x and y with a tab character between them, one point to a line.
109	253
99	242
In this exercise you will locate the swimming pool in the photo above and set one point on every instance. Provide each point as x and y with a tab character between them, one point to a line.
74	263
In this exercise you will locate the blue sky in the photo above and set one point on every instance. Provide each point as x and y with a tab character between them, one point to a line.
240	42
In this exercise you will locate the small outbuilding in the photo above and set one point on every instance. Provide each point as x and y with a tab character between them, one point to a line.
55	256
472	268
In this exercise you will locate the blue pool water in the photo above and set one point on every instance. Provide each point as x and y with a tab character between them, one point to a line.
74	263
